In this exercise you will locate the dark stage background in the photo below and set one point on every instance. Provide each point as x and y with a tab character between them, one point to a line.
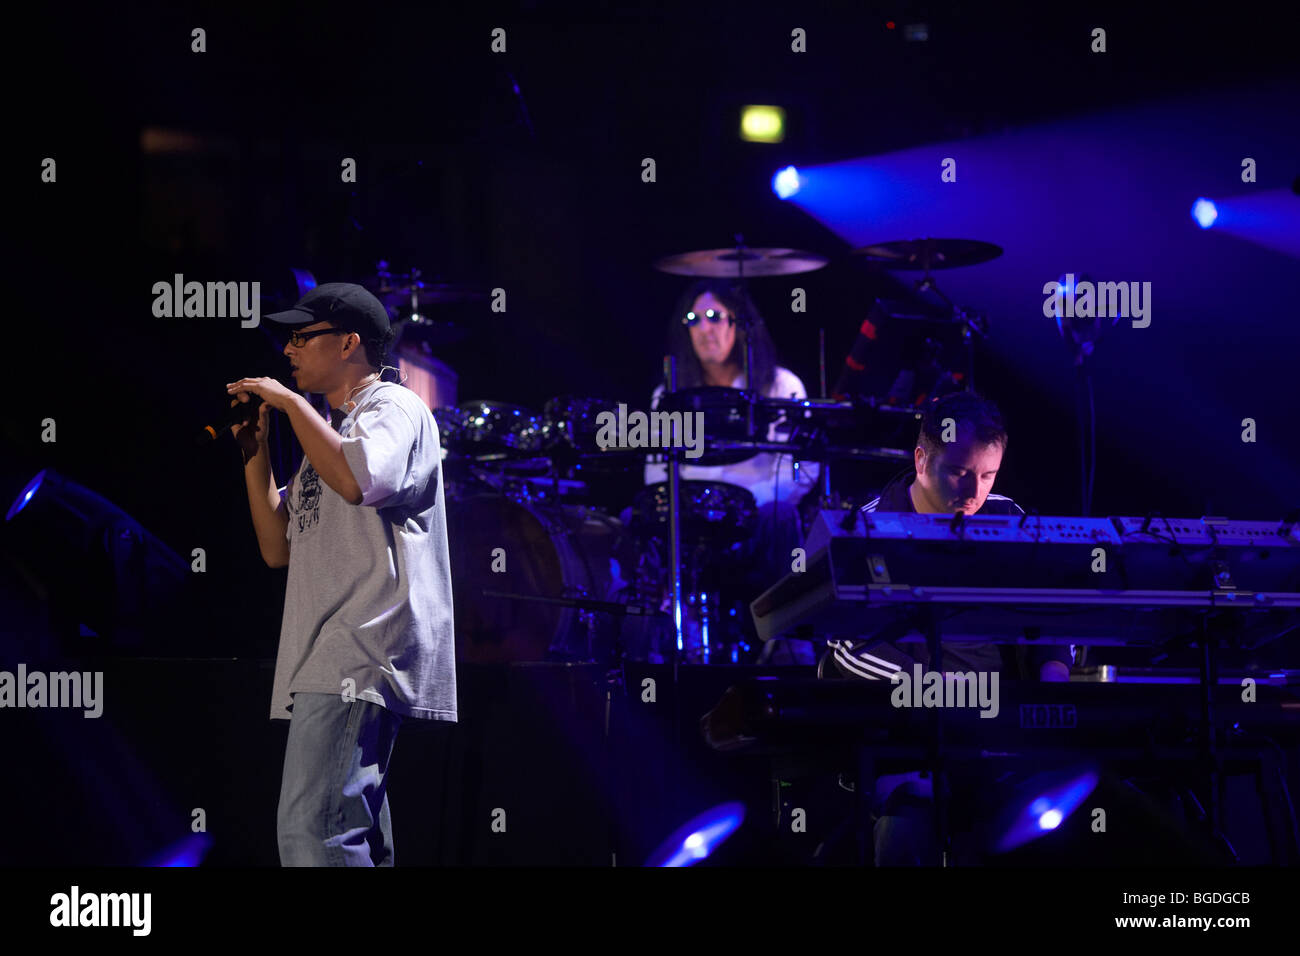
225	166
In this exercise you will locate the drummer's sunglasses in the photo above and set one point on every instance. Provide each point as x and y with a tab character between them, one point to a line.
693	318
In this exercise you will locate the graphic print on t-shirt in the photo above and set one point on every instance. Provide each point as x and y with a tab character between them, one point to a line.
308	510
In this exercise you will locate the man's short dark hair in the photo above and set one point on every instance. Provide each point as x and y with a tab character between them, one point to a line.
968	411
376	347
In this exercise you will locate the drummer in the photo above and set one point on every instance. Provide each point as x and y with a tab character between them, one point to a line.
709	349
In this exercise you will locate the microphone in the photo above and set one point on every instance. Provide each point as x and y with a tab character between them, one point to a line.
241	413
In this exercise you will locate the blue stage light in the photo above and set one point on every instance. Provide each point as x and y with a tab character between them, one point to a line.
699	837
1057	798
26	495
1204	212
108	573
786	182
1050	820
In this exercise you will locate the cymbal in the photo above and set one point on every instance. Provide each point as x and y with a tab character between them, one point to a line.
728	263
929	254
436	333
427	293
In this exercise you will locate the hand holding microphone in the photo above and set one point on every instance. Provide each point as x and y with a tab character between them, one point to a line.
264	394
248	417
238	415
252	428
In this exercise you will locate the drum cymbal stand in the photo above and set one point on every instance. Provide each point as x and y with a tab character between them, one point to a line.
674	560
973	326
744	324
674	522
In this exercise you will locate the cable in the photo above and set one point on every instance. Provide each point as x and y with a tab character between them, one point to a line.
1179	548
1092	447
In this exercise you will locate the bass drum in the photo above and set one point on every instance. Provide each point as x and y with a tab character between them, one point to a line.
505	545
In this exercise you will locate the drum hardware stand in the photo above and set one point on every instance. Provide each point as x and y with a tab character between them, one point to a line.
674	524
699	598
1215	782
586	618
973	325
824	461
743	322
821	359
929	623
675	560
1207	644
555	479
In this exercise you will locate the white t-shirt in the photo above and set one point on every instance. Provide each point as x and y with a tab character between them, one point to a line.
369	591
768	476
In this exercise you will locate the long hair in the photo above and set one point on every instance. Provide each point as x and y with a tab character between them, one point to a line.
690	374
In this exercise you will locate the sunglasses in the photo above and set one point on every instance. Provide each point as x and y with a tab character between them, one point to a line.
299	339
713	315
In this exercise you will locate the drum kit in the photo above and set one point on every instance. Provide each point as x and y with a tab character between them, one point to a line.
541	572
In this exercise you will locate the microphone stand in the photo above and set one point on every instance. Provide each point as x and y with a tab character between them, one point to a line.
1082	335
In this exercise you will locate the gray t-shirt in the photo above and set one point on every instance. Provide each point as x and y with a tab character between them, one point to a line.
369	592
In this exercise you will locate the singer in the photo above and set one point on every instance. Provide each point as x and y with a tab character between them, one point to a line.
366	638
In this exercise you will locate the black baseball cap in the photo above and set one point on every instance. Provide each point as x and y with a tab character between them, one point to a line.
347	305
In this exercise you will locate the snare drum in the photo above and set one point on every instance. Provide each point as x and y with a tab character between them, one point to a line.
715	511
725	419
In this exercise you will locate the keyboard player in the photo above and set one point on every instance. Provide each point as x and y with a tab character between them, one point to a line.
957	457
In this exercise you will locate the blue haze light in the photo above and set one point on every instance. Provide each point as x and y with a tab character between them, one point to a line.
786	183
306	281
187	852
1204	212
700	836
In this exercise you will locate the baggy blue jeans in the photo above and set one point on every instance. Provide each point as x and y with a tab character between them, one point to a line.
334	792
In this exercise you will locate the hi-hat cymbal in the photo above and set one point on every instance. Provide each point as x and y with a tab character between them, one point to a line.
928	255
732	263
